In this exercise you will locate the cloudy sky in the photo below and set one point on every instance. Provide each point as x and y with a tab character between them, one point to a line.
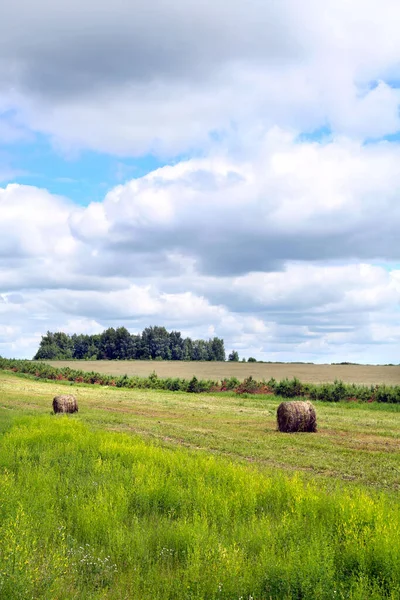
220	168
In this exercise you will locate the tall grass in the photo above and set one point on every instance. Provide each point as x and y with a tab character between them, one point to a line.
95	515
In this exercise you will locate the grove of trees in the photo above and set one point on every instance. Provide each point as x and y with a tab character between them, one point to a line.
154	343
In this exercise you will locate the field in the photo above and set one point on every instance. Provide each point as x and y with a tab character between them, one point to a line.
159	495
362	374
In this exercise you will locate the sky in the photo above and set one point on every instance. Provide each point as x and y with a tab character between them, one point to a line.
219	168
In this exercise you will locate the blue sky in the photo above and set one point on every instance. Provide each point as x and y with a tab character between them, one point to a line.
221	170
83	176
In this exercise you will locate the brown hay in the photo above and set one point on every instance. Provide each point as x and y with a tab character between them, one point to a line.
66	403
296	416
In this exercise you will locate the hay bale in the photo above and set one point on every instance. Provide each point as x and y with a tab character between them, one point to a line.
66	403
296	416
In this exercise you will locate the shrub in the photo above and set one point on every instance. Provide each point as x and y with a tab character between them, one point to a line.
384	393
173	384
229	384
289	388
327	392
121	381
193	386
249	386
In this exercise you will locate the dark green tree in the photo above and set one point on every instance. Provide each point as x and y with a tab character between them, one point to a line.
123	342
200	350
218	349
176	344
55	346
154	343
187	349
108	349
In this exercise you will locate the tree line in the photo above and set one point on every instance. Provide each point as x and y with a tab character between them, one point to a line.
154	343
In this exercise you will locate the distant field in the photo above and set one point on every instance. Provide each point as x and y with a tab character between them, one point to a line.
362	374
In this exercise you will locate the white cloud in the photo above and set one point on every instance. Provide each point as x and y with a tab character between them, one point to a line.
87	326
305	201
149	79
33	223
344	288
277	254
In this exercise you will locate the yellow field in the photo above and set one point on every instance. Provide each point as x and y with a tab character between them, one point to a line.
362	374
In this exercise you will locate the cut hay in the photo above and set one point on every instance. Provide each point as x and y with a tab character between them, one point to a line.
296	416
66	403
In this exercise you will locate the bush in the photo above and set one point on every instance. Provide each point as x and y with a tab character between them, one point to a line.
173	384
287	388
249	386
229	384
193	386
384	393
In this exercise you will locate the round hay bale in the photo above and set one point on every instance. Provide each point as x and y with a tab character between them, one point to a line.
296	416
66	403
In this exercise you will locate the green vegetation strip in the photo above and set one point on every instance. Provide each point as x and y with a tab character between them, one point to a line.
287	388
89	514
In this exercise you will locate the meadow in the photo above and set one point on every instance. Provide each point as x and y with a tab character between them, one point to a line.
161	495
309	373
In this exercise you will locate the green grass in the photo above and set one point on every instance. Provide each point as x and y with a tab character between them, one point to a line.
358	443
203	499
92	515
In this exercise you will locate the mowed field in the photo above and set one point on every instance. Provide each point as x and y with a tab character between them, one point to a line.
167	496
361	374
355	442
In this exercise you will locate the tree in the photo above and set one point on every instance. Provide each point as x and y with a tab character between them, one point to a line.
94	347
251	359
218	349
123	343
80	346
135	345
55	346
200	350
187	349
108	344
154	343
176	345
234	356
47	352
